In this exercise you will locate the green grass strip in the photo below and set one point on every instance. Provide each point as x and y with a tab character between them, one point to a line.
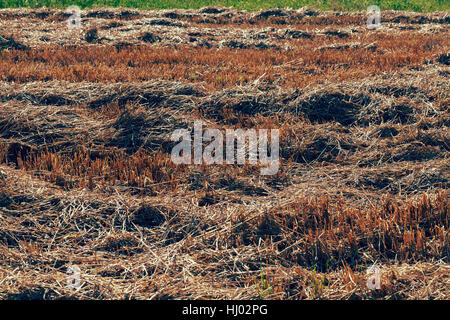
250	5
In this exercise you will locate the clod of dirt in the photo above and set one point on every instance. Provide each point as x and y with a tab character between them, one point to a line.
211	10
148	216
111	25
172	15
444	59
149	37
91	35
128	15
262	45
164	22
337	33
205	44
235	44
271	13
10	43
100	14
42	15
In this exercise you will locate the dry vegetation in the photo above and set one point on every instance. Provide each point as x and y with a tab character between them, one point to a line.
86	177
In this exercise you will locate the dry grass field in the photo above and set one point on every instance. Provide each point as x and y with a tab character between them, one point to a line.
86	177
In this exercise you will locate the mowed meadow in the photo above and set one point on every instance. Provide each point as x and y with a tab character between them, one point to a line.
251	5
86	176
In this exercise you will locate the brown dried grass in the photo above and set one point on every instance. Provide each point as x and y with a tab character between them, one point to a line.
86	176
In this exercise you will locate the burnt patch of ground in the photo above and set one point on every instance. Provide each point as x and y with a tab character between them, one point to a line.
148	216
